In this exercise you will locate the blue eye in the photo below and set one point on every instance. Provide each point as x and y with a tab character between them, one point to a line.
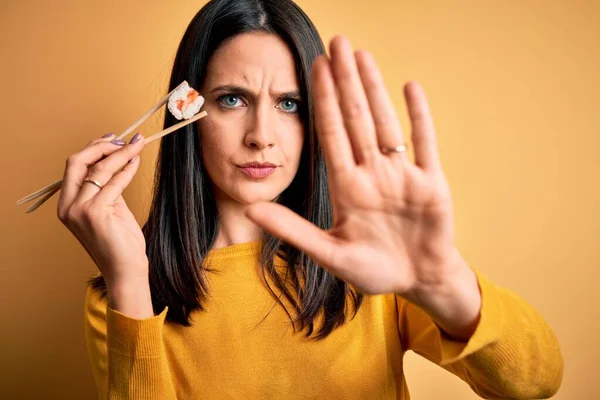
229	100
289	105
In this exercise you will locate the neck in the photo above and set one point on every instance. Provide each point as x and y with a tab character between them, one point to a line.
234	226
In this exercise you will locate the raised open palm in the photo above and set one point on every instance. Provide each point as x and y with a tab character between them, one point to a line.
393	228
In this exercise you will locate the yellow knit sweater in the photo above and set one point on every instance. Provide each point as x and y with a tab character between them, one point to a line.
228	353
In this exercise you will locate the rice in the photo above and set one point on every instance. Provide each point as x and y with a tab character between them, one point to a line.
185	102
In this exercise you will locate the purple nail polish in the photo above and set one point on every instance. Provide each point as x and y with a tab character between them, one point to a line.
118	142
135	138
107	135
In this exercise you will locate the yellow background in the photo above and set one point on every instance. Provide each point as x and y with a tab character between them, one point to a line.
514	88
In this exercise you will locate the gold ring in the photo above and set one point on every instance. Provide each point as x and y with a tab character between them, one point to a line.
93	182
398	149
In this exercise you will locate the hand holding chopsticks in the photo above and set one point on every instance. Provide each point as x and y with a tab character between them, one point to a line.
176	104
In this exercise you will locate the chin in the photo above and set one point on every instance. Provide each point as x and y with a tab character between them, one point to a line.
257	196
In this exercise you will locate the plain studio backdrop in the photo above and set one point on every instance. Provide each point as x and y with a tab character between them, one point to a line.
514	88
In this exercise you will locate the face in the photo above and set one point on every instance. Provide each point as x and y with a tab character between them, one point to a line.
253	99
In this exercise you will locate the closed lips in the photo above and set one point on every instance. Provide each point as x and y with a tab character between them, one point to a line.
255	164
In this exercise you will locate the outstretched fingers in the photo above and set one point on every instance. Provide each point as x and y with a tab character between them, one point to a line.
353	101
329	123
387	125
423	131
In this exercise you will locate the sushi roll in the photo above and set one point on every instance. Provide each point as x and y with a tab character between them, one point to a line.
185	102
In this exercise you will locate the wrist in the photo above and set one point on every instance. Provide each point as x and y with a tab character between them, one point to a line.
455	306
461	317
131	298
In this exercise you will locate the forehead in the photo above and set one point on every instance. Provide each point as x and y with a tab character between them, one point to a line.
253	59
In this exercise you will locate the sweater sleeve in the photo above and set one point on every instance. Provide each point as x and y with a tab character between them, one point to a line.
127	355
513	353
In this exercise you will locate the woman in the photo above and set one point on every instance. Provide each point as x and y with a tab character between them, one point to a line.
292	250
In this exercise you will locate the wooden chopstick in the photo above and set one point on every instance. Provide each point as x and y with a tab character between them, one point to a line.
40	192
173	128
151	111
151	139
143	118
42	200
48	188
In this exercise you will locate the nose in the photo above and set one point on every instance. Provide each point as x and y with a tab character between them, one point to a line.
260	134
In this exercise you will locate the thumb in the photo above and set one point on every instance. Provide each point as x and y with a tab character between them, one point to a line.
282	222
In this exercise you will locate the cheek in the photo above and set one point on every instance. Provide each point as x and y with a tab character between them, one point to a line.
293	142
215	149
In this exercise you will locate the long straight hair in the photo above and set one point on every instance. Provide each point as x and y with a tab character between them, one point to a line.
183	224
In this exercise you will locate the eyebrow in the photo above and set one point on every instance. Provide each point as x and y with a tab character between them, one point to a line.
293	94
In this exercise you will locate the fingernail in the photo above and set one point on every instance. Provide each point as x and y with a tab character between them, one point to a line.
107	135
135	138
118	142
132	160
